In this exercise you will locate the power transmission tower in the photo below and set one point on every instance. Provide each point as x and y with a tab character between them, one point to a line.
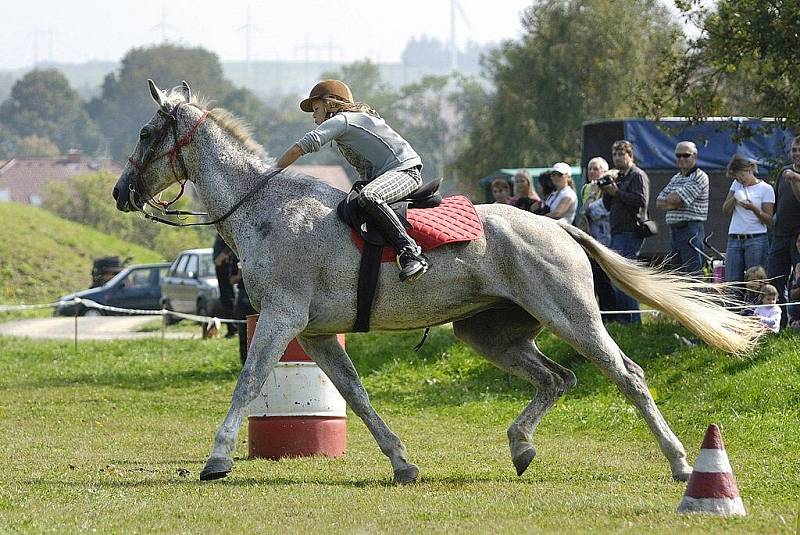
455	5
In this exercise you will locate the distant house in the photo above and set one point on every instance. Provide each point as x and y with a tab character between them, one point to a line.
23	180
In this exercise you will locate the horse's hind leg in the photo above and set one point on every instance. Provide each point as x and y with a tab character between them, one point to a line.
335	362
506	338
578	323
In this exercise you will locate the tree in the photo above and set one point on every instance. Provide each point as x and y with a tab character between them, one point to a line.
422	111
85	199
43	104
743	62
577	60
37	147
245	104
125	103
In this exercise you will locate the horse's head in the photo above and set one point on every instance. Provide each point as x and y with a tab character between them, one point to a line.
157	161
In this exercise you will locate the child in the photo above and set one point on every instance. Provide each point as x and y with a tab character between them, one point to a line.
768	312
755	280
793	289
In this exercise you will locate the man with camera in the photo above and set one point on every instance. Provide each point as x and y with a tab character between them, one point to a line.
685	199
626	200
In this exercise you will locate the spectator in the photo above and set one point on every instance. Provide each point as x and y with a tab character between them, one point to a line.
546	187
594	213
524	195
768	311
501	191
222	255
755	279
749	203
563	202
793	291
782	253
685	199
242	308
626	200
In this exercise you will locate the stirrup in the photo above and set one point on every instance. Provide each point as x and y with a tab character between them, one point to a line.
412	265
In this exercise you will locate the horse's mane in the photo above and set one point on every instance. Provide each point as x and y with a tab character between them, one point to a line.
233	125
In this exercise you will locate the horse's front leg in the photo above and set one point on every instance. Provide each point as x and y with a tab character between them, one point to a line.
335	362
275	329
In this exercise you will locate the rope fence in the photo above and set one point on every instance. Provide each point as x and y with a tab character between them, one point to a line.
88	303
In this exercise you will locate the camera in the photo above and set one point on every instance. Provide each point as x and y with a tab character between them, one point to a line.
605	180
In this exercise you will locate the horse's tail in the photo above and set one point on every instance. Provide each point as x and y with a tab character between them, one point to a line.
698	305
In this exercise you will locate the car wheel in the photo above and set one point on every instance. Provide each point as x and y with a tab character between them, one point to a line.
92	313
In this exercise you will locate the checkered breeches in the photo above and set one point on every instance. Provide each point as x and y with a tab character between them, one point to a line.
392	186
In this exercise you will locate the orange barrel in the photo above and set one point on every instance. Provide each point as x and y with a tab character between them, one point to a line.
298	412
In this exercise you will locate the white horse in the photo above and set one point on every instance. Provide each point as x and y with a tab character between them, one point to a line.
500	291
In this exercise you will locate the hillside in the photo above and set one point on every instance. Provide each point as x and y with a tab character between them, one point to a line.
43	256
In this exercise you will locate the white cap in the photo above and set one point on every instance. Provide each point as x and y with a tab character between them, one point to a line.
563	168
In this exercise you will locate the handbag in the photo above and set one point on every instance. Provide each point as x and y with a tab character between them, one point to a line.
645	228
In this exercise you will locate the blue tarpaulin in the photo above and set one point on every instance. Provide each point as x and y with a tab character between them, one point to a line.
716	141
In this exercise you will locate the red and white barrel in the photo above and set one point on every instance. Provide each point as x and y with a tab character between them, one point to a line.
298	412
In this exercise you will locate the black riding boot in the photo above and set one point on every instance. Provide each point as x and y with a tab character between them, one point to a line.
410	259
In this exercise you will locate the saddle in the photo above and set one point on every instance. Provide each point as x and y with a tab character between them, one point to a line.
426	196
431	220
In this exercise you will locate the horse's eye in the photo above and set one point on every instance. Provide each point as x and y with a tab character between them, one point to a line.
144	134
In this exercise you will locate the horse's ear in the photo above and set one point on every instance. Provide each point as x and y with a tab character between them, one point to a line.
156	93
186	91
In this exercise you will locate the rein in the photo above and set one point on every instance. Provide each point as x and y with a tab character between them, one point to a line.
175	154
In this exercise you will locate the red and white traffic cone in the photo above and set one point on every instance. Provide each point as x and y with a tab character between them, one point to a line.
712	487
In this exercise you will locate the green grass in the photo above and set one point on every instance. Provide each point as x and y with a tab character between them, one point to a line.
43	256
112	439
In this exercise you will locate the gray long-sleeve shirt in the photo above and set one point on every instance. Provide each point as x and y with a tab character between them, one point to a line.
366	141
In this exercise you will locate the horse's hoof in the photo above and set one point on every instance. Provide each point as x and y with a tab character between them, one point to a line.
683	475
406	475
216	468
524	459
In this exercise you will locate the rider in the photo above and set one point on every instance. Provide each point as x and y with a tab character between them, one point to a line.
382	158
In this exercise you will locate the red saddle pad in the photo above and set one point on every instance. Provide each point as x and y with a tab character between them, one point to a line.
455	220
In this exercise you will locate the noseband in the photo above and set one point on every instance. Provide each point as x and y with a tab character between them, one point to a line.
175	155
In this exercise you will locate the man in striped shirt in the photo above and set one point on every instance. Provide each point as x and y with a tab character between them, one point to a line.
685	199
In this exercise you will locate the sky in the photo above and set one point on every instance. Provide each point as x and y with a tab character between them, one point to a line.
77	31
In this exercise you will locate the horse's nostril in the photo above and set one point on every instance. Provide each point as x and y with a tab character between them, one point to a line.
115	193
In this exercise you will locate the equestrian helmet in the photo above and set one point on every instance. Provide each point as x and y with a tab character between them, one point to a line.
334	89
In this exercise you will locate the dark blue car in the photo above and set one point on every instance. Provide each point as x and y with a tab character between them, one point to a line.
134	287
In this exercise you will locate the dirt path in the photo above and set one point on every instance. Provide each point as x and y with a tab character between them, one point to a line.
91	328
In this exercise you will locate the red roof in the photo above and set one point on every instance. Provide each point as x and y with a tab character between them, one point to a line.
24	179
334	175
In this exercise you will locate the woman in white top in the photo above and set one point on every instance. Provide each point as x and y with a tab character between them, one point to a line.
750	203
563	202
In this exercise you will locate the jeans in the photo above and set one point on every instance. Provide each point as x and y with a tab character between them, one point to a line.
685	258
627	245
782	256
744	254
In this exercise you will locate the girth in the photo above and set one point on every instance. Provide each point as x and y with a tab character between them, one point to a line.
426	196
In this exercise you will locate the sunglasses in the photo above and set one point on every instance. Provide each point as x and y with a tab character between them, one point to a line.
683	155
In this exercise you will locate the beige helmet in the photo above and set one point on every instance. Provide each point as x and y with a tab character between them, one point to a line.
334	89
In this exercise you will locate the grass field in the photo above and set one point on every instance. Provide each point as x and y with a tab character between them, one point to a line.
112	438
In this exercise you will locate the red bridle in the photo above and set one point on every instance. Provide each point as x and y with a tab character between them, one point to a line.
175	154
